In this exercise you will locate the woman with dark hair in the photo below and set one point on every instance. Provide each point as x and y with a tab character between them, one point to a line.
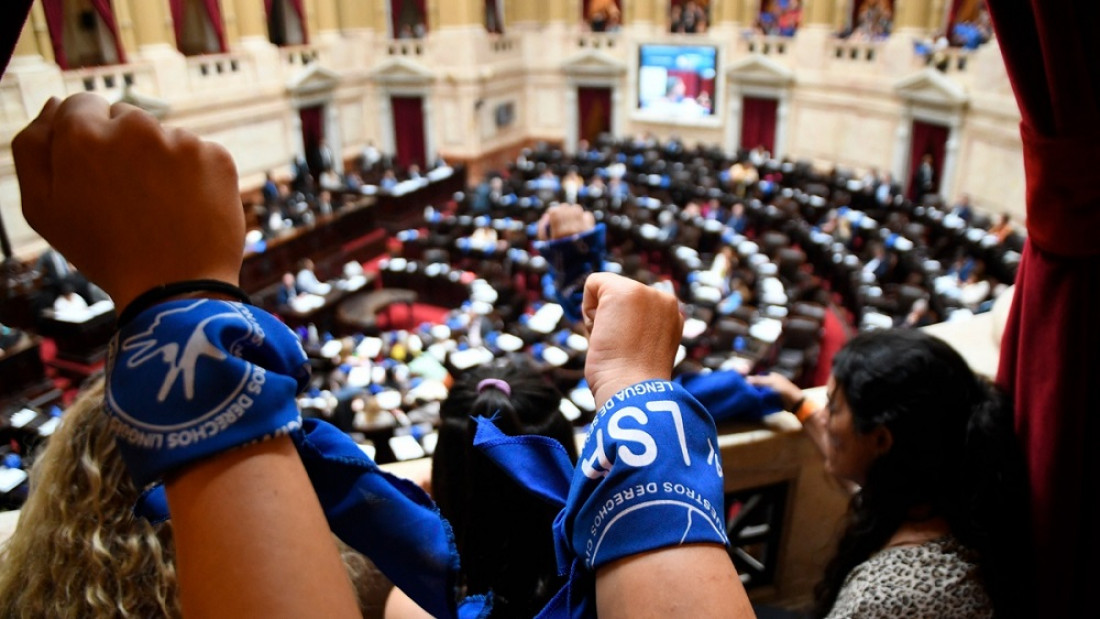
504	535
938	525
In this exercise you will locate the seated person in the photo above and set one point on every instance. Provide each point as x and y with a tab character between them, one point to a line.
389	180
1002	228
68	303
941	494
288	290
511	556
307	280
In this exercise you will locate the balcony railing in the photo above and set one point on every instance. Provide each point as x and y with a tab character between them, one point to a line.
299	55
855	51
764	44
211	71
109	81
949	60
503	44
606	41
414	48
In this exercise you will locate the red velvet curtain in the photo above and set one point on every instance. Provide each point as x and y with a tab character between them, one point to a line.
927	139
107	14
213	13
299	9
408	130
177	8
313	131
397	7
758	123
55	23
594	112
1050	354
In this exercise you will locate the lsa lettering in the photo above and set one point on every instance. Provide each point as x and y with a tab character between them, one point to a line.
597	464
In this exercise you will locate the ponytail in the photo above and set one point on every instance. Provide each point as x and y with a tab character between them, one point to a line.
504	535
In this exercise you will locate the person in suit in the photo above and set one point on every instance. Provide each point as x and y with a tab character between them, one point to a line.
924	180
288	290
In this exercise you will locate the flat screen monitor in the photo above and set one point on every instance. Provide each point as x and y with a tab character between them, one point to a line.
677	82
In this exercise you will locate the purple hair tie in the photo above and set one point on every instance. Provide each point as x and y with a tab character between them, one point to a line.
495	383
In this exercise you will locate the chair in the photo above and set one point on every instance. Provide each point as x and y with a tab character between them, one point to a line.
800	348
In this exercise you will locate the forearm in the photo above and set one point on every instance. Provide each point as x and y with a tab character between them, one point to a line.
251	539
695	580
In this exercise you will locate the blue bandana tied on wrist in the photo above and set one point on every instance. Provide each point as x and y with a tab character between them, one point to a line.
649	477
191	378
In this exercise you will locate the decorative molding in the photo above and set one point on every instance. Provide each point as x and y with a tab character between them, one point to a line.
313	81
402	72
759	69
592	63
930	87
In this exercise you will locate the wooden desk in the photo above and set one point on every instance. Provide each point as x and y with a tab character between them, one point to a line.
82	342
21	366
324	317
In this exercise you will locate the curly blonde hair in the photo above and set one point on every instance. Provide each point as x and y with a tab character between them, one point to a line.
78	550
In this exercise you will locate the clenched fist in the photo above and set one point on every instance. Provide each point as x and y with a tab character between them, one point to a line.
132	204
633	333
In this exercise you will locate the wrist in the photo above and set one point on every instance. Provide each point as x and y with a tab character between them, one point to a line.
607	389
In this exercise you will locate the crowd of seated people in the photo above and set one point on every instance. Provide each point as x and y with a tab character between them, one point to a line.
873	21
688	16
603	15
938	474
779	17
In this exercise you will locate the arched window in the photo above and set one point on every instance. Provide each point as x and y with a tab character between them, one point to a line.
409	18
286	22
84	33
199	27
689	16
602	15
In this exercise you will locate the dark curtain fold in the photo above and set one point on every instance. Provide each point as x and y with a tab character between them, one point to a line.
408	130
301	11
758	123
214	12
927	139
594	112
1050	352
55	23
107	14
313	131
422	10
178	9
396	6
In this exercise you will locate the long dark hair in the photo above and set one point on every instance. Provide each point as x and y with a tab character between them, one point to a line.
504	535
954	455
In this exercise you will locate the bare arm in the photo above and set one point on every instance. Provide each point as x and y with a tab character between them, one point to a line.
634	331
133	206
793	398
